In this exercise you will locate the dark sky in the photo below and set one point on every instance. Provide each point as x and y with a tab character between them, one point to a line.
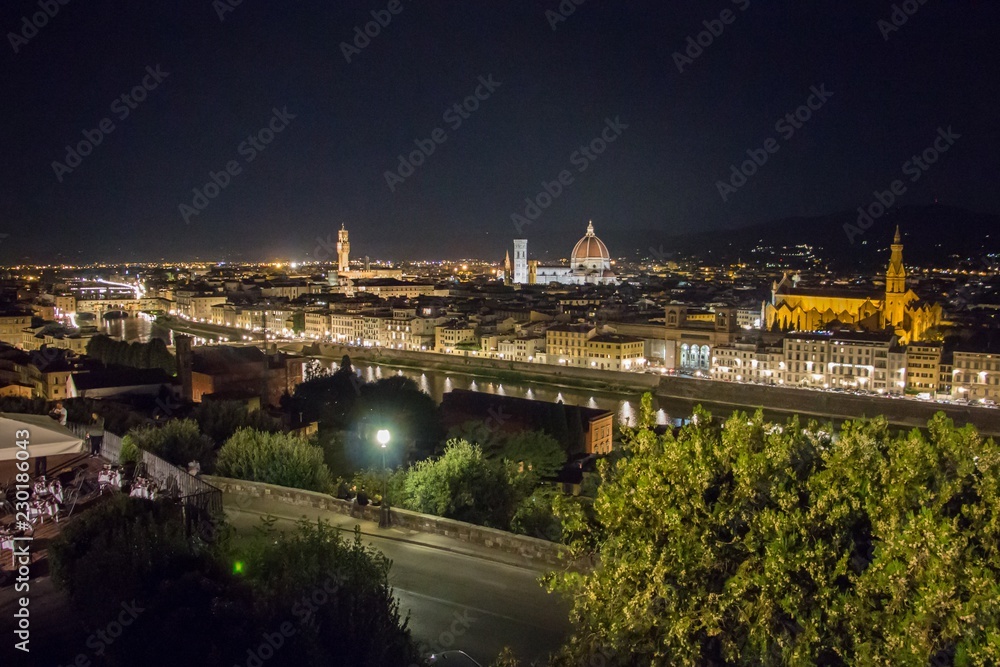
608	60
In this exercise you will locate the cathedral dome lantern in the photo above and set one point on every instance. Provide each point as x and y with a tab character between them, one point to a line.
590	253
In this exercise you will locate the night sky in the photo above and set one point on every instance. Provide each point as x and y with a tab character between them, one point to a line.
221	80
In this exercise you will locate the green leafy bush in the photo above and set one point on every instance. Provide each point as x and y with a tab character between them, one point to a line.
462	484
755	543
274	458
177	441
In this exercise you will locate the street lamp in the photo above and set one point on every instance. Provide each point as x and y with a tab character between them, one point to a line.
383	440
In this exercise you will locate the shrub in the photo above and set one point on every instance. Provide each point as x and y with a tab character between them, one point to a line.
464	485
177	441
274	458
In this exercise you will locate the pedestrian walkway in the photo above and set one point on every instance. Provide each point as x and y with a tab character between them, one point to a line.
236	504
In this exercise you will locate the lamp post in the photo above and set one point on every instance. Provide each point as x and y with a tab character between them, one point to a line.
383	440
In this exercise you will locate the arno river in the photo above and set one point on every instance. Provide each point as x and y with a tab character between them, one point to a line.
436	383
132	329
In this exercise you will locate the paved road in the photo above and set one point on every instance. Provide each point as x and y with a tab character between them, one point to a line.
458	595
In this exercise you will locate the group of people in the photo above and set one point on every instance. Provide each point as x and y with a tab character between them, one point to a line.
46	500
353	494
144	488
109	479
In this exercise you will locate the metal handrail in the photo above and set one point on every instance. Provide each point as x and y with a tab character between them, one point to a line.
194	491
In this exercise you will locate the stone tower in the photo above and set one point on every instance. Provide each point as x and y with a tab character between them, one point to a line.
521	261
343	251
895	285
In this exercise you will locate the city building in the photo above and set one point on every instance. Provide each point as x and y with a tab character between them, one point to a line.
923	367
236	372
976	374
590	264
796	308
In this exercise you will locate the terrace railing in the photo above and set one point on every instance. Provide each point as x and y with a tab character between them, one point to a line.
195	493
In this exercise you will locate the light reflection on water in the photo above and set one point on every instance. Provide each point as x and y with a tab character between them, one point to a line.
437	383
131	329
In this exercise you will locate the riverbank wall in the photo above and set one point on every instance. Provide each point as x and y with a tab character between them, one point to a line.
826	404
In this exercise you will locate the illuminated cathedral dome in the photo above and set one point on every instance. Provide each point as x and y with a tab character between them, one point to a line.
590	253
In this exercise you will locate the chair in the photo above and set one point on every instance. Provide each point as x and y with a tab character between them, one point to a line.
71	495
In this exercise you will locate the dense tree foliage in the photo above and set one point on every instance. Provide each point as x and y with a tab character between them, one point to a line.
397	404
462	484
353	617
754	543
535	516
307	596
327	399
153	354
274	458
118	418
177	441
219	420
535	451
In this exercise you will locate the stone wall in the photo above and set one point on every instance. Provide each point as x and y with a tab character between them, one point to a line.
827	404
531	549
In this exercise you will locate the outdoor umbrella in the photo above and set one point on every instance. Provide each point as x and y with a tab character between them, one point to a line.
46	437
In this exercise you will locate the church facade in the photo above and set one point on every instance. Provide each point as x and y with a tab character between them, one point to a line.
590	264
897	308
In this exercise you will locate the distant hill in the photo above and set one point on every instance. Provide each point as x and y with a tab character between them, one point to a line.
932	234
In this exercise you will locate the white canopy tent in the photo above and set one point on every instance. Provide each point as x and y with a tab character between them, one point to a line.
46	437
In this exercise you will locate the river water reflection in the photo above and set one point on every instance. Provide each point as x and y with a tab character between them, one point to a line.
131	329
437	383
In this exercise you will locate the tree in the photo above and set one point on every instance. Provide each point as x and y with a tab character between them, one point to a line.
153	354
308	595
557	423
137	542
535	451
328	399
575	444
759	543
413	418
274	458
464	485
177	441
353	618
219	420
535	516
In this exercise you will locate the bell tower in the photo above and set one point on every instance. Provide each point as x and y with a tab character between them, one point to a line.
343	251
895	285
